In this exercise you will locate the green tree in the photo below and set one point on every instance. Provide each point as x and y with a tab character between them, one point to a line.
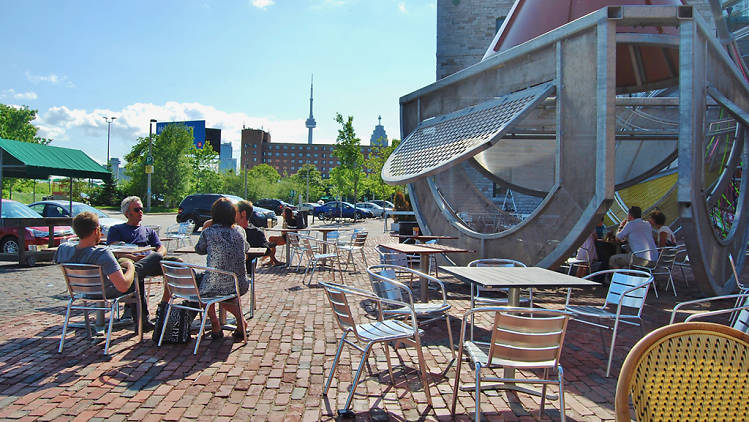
308	172
172	176
261	181
15	124
374	183
204	165
348	152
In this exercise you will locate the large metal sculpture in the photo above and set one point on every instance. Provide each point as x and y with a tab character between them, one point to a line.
570	115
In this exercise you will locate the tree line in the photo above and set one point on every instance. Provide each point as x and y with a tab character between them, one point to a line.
179	169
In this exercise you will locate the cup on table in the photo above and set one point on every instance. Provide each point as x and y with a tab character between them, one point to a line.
270	223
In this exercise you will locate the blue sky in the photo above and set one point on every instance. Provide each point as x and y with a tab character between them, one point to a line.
227	62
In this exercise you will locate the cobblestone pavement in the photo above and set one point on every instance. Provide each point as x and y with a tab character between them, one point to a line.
279	374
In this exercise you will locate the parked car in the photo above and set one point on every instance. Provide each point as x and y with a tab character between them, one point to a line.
61	208
276	205
334	209
196	208
9	237
387	205
375	209
308	207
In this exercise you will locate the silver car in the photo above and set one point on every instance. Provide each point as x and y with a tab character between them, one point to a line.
375	209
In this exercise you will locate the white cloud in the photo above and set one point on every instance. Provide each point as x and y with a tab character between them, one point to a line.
51	79
11	93
85	129
402	7
263	4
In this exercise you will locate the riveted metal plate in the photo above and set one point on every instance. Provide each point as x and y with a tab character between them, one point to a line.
444	141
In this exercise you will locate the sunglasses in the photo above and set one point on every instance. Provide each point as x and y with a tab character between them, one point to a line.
138	209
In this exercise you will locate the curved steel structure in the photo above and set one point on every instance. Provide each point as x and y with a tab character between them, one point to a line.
543	118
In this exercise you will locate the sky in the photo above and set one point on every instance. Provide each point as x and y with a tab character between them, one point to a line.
232	63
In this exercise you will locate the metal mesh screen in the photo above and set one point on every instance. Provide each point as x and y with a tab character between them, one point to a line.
443	141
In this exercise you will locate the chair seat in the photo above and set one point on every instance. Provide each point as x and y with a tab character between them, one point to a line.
325	255
389	329
422	309
478	355
595	311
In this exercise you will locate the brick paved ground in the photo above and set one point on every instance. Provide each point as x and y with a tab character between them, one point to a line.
279	374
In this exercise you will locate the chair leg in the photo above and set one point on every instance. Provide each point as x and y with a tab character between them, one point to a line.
139	315
109	327
423	366
364	357
203	317
335	362
477	408
390	365
65	326
456	387
166	319
611	351
560	371
88	323
450	334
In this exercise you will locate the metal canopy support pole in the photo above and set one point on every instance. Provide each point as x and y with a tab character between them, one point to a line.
1	182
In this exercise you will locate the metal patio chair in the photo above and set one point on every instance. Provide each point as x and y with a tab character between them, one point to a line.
385	283
623	304
314	257
179	279
686	371
661	266
358	239
738	313
521	338
370	333
88	283
180	233
296	248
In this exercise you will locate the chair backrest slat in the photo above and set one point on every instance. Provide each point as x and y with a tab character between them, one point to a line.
528	337
180	281
360	239
383	286
84	279
341	309
742	321
621	282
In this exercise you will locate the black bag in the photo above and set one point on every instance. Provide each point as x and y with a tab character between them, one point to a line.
178	326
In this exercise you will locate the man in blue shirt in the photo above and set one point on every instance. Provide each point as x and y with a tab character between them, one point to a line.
132	232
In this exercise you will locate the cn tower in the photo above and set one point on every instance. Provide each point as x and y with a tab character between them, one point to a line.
311	119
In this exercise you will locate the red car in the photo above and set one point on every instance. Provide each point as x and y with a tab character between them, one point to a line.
33	235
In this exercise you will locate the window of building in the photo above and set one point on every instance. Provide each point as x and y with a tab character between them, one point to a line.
285	147
285	154
254	159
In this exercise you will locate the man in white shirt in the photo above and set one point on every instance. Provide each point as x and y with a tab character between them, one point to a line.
639	234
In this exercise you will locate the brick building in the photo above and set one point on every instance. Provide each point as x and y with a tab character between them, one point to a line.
257	148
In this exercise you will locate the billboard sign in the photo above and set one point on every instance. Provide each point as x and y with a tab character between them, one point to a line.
198	130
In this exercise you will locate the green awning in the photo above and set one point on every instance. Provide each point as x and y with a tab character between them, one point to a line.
35	161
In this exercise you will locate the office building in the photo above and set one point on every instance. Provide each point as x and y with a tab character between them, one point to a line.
226	162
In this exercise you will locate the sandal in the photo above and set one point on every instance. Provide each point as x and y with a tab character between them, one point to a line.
216	335
238	334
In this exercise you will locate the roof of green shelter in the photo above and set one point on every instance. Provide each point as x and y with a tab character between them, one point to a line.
37	161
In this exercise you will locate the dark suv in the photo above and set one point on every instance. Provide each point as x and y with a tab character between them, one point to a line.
276	205
197	207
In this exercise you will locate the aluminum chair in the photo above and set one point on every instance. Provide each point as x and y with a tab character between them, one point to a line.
358	240
739	313
686	371
314	257
88	283
296	248
575	262
661	266
180	233
385	284
179	280
681	261
521	338
623	304
370	333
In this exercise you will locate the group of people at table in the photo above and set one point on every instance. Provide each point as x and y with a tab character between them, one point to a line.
643	239
225	239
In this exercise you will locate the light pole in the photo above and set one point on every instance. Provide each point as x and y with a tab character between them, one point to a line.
109	121
149	165
308	170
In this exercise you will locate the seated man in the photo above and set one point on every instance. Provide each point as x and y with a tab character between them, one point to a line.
638	233
86	227
132	232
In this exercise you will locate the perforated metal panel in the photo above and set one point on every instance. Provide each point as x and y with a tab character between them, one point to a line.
441	142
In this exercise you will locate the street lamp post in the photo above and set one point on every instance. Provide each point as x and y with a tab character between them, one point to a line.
308	170
149	166
109	121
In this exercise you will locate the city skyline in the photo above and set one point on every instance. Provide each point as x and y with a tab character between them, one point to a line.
232	64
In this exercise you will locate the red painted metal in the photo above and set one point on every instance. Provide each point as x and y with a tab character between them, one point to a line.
530	18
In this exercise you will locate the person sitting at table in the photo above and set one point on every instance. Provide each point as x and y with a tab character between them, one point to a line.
226	246
132	232
638	233
288	223
662	233
87	251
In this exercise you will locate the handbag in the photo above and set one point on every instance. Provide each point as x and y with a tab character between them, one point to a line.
177	327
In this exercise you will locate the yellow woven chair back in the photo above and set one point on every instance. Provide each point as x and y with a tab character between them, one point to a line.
686	371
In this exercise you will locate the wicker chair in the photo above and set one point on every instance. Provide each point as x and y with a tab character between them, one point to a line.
686	371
